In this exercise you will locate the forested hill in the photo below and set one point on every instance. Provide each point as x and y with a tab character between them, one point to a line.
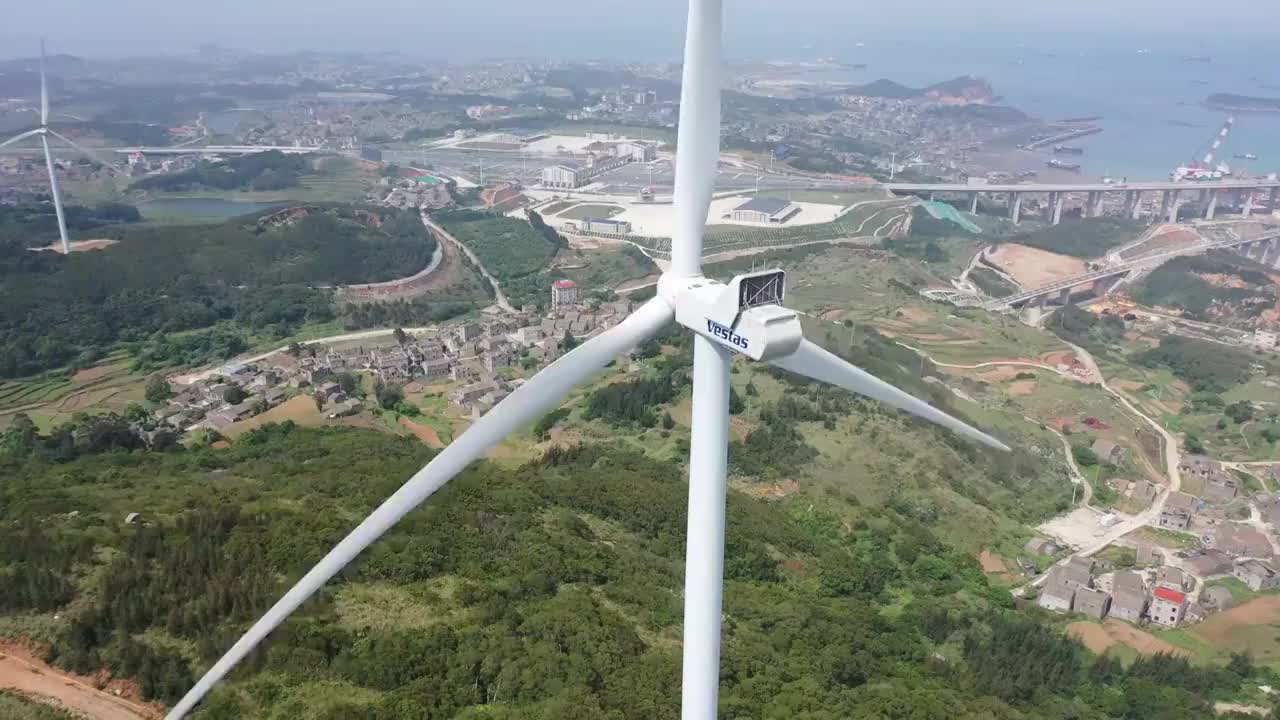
256	270
550	592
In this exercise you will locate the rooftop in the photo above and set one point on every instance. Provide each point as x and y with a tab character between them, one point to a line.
563	284
1180	501
766	205
1170	595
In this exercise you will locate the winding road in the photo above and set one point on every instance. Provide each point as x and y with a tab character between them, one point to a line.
499	296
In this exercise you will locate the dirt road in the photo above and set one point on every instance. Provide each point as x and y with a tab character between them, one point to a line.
40	683
499	297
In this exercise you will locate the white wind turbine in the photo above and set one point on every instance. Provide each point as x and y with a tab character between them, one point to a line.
43	132
743	317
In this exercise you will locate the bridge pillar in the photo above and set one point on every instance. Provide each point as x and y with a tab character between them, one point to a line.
1064	296
1133	202
1166	205
1015	207
974	208
1212	207
1272	200
1093	205
1058	199
1248	204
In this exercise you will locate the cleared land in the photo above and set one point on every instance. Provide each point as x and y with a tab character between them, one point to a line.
23	673
1099	638
1033	267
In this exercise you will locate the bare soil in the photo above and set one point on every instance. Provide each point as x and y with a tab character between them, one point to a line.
1093	635
1144	642
94	373
990	562
1223	628
423	433
301	409
97	697
1023	388
1033	267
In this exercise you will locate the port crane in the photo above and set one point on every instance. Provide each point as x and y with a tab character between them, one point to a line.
1204	169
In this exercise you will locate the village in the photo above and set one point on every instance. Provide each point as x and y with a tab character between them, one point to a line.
481	358
1181	569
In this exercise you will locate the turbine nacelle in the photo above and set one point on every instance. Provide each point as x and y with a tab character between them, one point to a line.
745	316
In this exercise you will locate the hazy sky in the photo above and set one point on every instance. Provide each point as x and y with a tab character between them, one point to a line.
566	28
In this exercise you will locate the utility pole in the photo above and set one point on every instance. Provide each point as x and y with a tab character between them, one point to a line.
893	165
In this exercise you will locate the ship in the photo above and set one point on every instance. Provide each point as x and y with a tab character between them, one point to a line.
1067	150
1057	164
1197	59
1245	156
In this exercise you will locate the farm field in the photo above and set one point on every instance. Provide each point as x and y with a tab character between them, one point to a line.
594	211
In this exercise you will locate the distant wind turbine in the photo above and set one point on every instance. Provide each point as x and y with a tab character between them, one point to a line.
745	317
43	132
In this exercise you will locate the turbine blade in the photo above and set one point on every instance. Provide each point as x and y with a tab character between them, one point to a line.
698	144
44	90
57	197
523	406
92	155
19	138
813	362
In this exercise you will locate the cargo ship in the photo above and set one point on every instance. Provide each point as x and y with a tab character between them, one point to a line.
1246	156
1057	164
1067	150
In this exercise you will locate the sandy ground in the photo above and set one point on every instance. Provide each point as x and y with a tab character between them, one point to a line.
423	433
1143	642
1078	528
21	672
1223	628
80	245
1033	267
1093	635
1167	238
990	562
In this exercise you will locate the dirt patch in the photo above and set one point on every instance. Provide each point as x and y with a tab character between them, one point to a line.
1000	373
740	427
1129	385
1033	267
98	697
1145	643
1223	628
423	433
1061	357
774	491
832	315
1093	635
96	372
1222	280
1023	388
301	409
913	313
990	562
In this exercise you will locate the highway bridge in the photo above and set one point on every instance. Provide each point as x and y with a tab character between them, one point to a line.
1241	192
1264	249
218	150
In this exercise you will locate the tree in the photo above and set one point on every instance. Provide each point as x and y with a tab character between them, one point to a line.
234	395
1084	456
400	336
1194	445
295	349
319	402
347	381
157	389
389	395
668	422
568	342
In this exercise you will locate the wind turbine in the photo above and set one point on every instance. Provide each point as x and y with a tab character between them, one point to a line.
43	132
744	317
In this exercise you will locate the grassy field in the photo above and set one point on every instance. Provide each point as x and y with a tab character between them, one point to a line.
604	267
53	398
508	248
991	283
595	212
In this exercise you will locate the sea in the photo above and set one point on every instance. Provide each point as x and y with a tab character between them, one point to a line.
1148	90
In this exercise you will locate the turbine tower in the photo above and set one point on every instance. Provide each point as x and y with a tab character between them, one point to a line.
43	132
743	317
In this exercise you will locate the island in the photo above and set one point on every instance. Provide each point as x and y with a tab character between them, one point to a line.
1242	103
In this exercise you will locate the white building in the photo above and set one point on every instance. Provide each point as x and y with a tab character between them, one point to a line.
606	227
637	151
565	176
564	293
1264	340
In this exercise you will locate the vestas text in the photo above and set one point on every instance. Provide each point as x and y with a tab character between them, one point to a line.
726	334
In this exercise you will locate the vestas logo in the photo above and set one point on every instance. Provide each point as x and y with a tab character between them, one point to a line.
726	334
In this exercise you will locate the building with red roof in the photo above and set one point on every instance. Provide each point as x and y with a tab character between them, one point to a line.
564	293
1168	607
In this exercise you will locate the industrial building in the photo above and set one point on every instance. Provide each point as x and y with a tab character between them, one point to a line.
765	210
565	176
607	227
637	151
